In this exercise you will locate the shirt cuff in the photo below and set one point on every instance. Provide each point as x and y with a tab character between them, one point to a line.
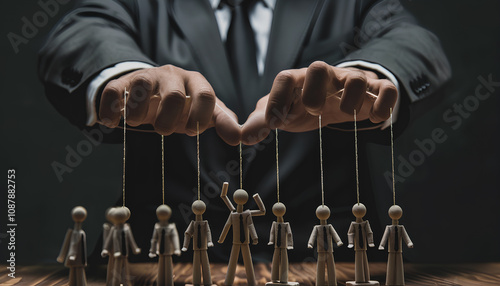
103	78
385	72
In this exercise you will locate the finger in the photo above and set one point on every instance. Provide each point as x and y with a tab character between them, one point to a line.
203	102
318	78
256	128
386	99
111	105
354	92
142	86
171	107
226	124
281	96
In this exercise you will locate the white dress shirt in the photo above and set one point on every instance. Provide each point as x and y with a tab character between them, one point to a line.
260	17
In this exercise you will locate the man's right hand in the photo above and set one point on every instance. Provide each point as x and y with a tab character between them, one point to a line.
157	96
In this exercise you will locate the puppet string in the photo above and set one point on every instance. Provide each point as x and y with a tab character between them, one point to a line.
356	152
277	169
162	170
241	169
321	163
392	161
124	141
198	154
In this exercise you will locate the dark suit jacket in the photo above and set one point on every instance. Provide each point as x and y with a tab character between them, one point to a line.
100	33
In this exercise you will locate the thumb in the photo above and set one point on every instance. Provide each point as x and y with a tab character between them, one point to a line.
255	128
226	124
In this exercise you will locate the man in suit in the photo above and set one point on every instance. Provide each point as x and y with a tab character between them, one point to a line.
305	53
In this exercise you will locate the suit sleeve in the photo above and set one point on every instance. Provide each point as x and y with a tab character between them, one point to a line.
175	237
289	236
312	238
369	232
385	237
405	235
209	233
390	37
350	234
271	233
64	249
335	235
188	234
154	240
93	36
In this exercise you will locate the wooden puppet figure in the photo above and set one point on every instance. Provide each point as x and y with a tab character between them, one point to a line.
107	229
74	250
360	236
199	230
281	237
118	243
324	235
164	243
243	229
394	235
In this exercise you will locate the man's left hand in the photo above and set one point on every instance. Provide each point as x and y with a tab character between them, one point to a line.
298	96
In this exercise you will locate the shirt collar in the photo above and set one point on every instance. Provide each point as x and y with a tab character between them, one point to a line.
269	3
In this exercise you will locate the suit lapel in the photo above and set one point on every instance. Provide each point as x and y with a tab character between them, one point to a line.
292	21
197	22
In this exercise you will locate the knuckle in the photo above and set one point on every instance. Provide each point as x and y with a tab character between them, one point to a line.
319	67
196	74
112	87
388	86
357	79
285	77
142	82
169	68
175	96
206	96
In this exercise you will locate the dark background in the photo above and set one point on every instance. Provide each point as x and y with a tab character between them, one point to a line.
453	190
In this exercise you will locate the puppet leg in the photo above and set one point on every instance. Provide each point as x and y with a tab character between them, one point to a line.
72	276
160	280
284	266
330	264
111	268
275	266
196	268
320	269
126	281
81	280
247	260
169	272
205	264
231	268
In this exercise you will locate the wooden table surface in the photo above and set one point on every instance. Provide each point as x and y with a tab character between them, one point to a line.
145	274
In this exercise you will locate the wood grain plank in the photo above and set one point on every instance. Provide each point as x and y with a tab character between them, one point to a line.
479	274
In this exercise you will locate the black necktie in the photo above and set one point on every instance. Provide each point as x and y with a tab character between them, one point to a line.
241	49
396	238
242	229
360	236
278	240
325	238
199	235
162	241
124	243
